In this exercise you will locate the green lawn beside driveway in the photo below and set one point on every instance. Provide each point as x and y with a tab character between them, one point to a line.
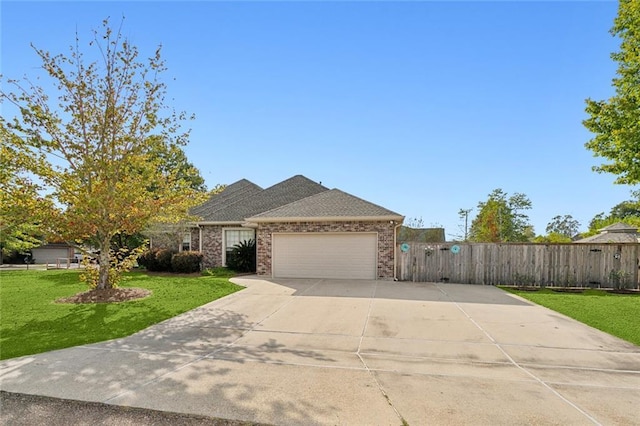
616	314
31	322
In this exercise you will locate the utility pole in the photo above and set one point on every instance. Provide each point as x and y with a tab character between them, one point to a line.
464	213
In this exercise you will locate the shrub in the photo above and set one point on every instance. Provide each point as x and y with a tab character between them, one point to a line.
620	279
148	259
186	262
163	260
243	257
157	260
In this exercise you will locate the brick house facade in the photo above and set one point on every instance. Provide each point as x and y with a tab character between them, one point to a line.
303	209
212	247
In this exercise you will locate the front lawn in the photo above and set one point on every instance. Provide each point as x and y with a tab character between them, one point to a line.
31	322
615	314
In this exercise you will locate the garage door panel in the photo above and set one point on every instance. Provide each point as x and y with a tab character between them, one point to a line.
49	255
325	255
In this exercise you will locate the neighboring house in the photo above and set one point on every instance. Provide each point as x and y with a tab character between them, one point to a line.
616	233
420	235
302	230
50	253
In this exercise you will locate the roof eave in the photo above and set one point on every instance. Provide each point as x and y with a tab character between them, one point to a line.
218	222
394	218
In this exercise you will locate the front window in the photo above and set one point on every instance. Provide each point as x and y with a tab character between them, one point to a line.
186	242
235	236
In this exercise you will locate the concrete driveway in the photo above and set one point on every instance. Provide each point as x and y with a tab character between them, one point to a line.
355	352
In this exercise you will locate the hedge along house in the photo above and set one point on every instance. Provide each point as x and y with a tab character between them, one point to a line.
301	228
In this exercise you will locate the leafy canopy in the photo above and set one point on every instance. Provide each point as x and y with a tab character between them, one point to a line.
561	229
101	144
21	206
565	225
616	122
626	212
501	219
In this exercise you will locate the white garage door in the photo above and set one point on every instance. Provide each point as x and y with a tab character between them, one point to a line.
49	255
350	255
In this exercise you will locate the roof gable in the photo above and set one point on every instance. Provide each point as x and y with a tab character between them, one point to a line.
616	233
610	237
619	227
285	192
333	204
230	195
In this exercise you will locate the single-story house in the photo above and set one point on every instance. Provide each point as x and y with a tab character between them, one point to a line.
301	228
616	233
50	253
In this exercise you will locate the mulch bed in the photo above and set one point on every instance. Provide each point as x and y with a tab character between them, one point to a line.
111	295
568	290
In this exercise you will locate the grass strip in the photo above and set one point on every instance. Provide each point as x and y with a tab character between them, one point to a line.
31	322
616	314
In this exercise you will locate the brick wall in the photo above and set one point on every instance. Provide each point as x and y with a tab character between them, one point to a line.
383	228
195	239
211	246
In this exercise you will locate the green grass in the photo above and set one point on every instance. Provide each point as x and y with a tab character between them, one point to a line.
220	272
31	322
616	314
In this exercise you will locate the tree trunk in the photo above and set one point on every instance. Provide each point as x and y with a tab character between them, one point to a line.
105	263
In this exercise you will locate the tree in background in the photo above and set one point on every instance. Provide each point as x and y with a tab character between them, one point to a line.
626	212
22	208
565	225
616	122
101	145
626	209
561	229
171	159
501	219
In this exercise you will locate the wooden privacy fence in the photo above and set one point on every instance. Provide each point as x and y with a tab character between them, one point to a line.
563	265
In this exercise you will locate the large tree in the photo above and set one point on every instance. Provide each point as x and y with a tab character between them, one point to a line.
616	122
626	212
501	219
561	229
565	226
103	141
625	209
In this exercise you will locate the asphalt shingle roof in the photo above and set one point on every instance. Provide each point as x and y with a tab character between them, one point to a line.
616	233
230	195
619	227
421	235
262	200
330	204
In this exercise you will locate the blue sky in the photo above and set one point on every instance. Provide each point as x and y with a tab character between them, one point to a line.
421	107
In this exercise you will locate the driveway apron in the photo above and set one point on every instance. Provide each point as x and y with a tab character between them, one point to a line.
358	353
